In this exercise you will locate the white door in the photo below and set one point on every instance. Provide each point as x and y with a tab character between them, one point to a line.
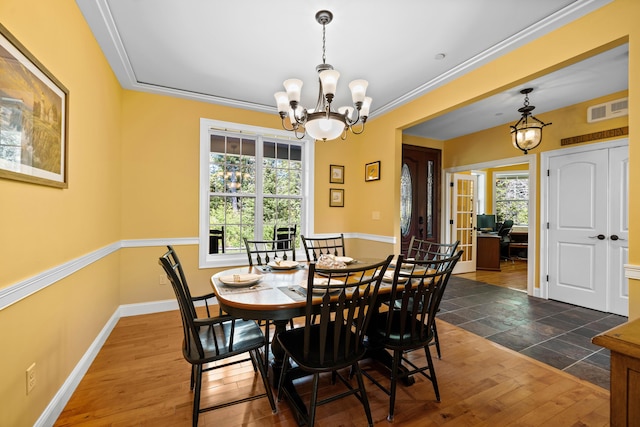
463	197
618	236
585	264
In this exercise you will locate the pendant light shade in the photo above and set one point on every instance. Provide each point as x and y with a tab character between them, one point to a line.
526	134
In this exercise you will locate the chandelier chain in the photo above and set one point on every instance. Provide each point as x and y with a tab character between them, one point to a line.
324	57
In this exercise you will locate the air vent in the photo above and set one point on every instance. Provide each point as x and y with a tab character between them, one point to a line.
608	110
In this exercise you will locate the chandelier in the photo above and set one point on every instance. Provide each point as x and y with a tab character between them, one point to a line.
323	122
527	133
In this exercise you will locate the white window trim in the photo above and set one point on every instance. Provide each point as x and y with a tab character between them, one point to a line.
205	260
481	202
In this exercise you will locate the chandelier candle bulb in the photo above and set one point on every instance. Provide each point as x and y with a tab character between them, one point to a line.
329	81
358	89
293	88
364	110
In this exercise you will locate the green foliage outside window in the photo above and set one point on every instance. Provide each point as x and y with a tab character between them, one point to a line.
512	199
235	193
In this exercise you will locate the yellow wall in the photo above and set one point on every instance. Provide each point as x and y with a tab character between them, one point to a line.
126	146
607	27
43	227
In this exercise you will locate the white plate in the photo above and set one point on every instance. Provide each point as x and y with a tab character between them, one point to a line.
240	280
388	277
283	265
345	259
318	281
394	261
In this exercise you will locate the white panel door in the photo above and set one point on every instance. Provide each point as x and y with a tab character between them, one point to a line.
618	236
464	194
578	185
589	229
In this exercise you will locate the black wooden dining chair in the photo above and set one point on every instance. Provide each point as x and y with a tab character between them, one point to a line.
316	246
261	252
407	324
208	342
337	314
425	250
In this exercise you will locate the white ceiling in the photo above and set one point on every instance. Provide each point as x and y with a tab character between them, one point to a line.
238	53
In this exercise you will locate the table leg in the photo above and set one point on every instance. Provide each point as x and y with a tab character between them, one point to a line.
277	352
276	368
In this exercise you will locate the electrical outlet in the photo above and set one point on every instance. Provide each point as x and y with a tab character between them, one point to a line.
31	377
163	279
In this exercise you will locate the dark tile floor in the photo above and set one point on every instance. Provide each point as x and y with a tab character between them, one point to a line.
552	332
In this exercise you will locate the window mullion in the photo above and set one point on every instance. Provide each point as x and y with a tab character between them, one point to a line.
259	197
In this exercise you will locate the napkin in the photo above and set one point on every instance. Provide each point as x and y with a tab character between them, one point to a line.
239	278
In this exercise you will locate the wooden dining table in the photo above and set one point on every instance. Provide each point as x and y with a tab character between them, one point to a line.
278	296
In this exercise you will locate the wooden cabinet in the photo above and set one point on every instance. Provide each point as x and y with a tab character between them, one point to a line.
488	252
624	344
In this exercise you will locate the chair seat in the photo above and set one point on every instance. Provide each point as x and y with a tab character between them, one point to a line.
292	341
377	336
215	341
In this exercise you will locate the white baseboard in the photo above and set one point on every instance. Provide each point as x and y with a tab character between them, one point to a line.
60	400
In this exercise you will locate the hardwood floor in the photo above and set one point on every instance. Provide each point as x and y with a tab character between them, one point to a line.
139	378
512	274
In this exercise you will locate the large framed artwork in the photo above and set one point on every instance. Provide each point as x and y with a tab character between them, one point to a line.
33	118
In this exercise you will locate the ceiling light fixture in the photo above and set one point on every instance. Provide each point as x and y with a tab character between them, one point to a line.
526	134
322	122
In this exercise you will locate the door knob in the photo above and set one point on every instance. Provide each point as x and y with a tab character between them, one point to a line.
599	237
615	237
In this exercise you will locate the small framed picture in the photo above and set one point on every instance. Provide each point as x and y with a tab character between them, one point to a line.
372	171
336	174
336	197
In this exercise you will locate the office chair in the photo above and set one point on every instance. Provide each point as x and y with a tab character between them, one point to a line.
503	232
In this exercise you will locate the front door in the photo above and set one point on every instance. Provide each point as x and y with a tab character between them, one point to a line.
588	228
419	195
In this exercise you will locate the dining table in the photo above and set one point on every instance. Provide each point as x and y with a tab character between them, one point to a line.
278	294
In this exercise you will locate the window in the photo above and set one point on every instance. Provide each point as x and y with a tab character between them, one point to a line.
481	199
252	180
512	197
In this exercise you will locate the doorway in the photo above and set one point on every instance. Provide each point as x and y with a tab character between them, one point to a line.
419	194
529	163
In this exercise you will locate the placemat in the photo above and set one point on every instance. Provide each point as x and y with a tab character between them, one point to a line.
296	293
238	290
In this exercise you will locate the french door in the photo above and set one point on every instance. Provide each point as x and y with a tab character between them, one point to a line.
464	188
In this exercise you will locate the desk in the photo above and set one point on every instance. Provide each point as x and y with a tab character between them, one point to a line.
274	300
518	244
488	252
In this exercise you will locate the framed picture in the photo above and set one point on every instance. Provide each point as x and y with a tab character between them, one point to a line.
336	197
336	174
372	171
33	118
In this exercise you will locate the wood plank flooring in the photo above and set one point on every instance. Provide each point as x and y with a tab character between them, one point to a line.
512	274
139	378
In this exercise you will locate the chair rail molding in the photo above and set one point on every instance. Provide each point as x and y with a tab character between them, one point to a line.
632	271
